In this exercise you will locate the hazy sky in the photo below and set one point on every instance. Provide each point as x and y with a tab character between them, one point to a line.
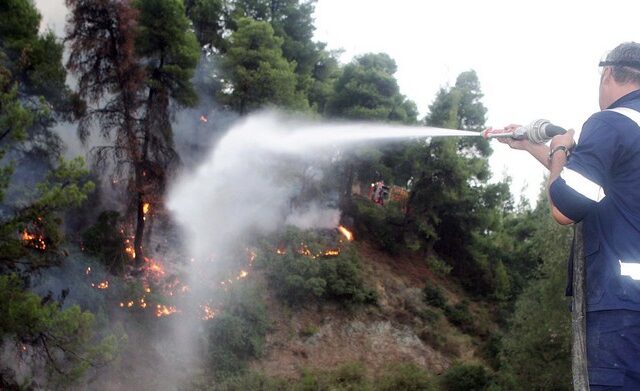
535	59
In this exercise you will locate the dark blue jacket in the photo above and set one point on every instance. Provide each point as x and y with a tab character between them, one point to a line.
600	186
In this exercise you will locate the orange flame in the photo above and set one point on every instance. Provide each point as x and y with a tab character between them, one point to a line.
209	313
347	234
331	253
154	267
252	255
145	210
129	250
163	310
101	285
33	240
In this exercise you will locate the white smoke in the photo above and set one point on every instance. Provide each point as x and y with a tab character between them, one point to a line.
314	216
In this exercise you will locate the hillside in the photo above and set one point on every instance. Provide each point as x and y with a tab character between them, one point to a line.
400	328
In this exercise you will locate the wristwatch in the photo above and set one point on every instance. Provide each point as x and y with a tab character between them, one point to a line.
559	148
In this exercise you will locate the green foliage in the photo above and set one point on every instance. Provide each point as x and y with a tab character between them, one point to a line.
35	60
207	17
301	270
257	73
65	338
433	296
309	331
380	225
14	120
368	90
438	265
460	316
237	334
19	23
171	49
536	350
247	381
326	72
467	377
105	241
66	186
406	377
348	377
453	210
14	117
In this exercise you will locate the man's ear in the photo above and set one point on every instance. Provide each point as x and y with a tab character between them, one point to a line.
607	75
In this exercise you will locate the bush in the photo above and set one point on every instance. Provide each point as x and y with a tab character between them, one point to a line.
302	270
467	377
105	241
460	316
62	343
433	296
439	266
349	377
382	225
242	382
406	377
237	335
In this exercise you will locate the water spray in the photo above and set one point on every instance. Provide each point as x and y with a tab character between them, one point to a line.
538	132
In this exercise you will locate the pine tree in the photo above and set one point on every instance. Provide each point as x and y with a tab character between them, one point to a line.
256	72
452	207
132	60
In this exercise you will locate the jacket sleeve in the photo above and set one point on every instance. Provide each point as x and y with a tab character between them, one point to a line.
581	183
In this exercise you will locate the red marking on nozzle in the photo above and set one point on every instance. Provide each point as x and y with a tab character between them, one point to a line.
496	133
485	133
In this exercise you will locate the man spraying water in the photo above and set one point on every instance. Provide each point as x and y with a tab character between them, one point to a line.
597	182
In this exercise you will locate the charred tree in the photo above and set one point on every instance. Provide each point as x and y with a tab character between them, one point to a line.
110	78
134	59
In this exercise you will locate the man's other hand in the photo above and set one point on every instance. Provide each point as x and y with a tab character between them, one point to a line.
563	139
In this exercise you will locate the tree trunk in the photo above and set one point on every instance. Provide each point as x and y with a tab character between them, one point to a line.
579	315
137	241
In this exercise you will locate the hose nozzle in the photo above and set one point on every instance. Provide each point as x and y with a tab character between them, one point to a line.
538	132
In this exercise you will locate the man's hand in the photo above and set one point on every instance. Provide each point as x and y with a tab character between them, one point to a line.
538	151
564	139
556	164
515	144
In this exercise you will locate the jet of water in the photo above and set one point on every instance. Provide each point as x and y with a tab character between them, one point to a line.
245	183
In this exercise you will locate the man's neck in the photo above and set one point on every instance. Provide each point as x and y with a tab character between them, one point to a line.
623	90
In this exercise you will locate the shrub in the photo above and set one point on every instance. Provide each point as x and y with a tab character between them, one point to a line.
105	241
382	225
466	377
62	343
439	266
302	270
243	382
433	296
460	316
406	377
238	334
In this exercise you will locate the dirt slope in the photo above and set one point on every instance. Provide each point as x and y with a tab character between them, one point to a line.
400	328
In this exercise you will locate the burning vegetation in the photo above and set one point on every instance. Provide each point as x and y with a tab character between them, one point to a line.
315	265
33	240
